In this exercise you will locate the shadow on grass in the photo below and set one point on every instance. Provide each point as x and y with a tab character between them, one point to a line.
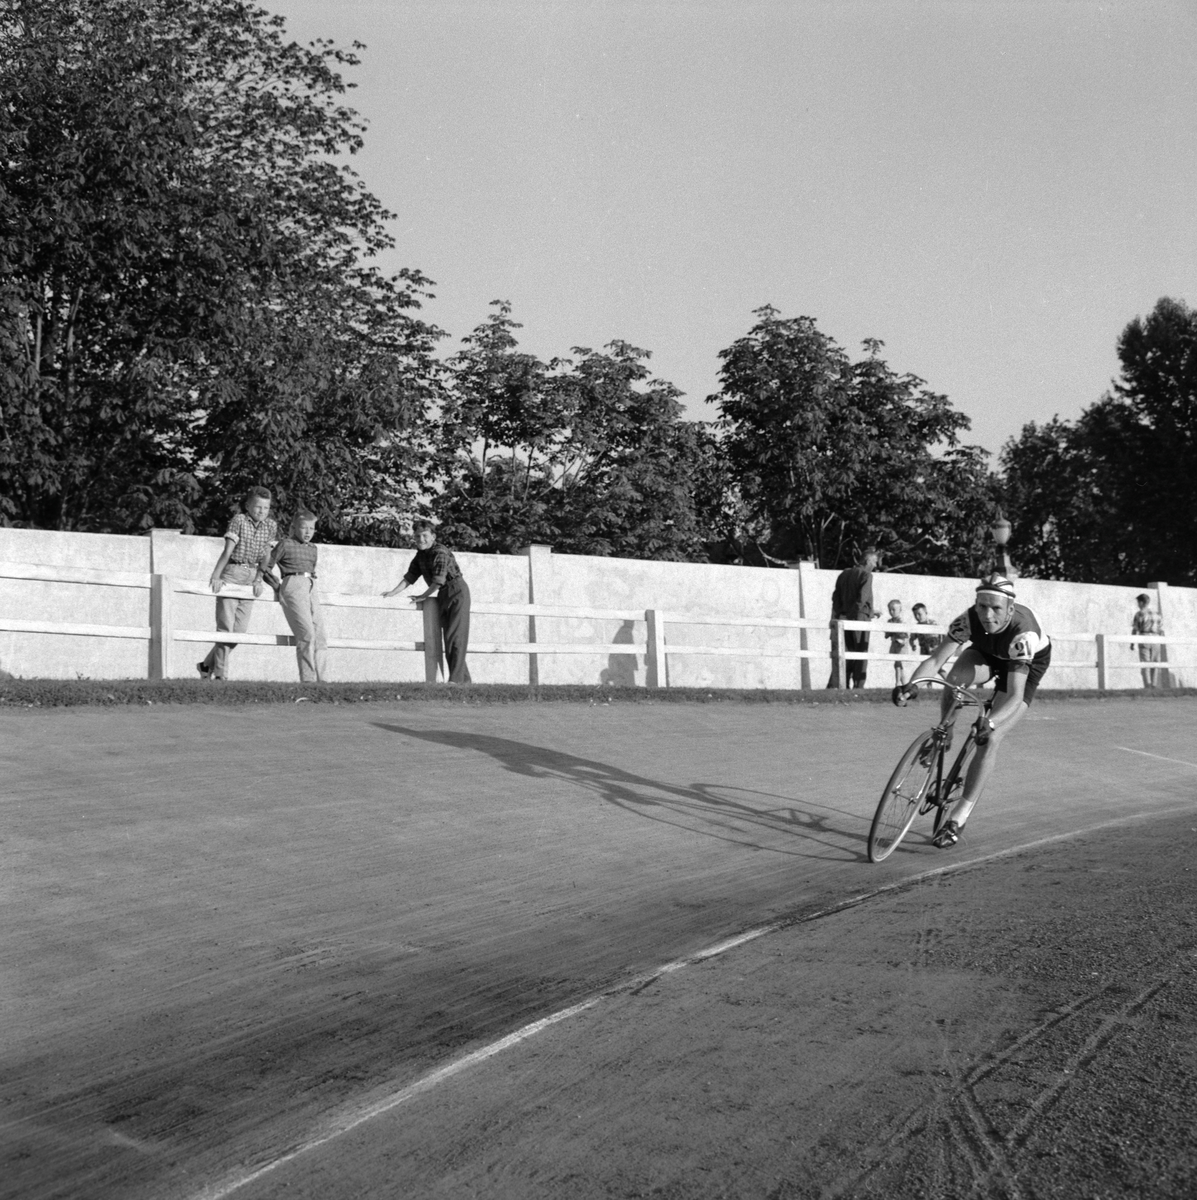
722	811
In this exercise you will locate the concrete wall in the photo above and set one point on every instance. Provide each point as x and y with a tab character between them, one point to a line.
1179	609
61	657
676	590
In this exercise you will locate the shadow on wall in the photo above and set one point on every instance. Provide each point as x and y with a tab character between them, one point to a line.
621	668
719	810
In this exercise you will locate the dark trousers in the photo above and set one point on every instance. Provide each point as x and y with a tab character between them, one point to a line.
453	600
854	668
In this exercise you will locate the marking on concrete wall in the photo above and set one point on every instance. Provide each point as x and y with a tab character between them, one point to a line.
352	1120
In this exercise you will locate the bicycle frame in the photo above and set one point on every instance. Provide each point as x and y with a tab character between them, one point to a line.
919	783
965	698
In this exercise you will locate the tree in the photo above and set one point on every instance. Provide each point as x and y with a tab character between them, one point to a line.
1110	498
830	455
588	455
186	302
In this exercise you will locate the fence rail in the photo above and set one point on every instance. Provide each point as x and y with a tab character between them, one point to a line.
163	638
1100	662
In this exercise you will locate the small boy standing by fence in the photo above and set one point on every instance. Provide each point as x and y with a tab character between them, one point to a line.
295	557
897	641
247	544
1147	623
924	643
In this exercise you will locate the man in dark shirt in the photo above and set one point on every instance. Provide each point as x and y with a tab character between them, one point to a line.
443	576
852	600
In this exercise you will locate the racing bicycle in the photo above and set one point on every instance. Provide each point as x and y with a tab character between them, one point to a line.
919	784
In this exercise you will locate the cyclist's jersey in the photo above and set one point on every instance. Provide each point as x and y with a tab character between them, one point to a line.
1017	646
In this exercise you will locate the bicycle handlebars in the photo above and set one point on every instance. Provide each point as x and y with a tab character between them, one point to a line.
904	691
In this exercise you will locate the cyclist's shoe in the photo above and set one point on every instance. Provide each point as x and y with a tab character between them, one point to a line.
948	836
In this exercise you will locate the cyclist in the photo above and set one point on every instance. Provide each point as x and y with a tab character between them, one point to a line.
1004	642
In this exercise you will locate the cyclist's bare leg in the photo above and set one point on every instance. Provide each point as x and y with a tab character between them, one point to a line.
980	769
970	668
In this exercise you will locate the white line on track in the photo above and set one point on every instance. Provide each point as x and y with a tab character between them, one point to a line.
1161	757
352	1120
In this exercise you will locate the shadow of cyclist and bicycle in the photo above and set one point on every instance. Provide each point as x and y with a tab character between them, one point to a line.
724	811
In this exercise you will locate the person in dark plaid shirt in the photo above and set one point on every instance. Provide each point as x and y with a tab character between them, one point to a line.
295	558
442	574
247	544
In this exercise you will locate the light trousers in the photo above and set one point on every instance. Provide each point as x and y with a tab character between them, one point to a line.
232	616
300	599
1151	652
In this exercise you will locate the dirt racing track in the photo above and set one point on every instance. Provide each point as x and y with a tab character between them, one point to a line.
572	950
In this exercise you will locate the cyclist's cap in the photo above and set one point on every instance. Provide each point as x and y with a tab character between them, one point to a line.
997	585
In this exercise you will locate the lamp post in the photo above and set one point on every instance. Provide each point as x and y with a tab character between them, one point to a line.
1000	530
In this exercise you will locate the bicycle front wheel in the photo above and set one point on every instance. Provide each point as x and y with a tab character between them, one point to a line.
901	800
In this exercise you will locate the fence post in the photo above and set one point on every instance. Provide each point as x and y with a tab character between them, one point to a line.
805	567
1103	681
656	674
533	657
161	627
837	664
432	638
166	553
538	563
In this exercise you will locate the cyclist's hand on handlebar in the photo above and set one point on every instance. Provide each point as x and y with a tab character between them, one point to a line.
900	696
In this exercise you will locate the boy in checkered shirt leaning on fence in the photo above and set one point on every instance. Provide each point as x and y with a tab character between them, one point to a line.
295	558
247	544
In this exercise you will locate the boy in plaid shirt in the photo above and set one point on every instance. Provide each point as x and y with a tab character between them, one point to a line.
247	544
295	557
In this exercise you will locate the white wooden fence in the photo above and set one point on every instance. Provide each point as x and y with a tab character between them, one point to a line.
1100	663
163	637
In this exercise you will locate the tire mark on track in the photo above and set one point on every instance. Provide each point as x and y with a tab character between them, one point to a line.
975	1134
1111	1025
1001	1162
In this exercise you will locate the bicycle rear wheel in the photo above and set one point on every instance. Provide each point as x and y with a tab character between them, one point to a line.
953	784
901	800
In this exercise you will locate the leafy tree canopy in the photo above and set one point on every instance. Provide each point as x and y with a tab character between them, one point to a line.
186	301
587	454
1110	497
830	455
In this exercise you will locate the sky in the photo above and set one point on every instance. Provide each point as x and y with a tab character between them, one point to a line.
992	189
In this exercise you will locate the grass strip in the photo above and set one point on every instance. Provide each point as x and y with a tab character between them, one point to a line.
72	693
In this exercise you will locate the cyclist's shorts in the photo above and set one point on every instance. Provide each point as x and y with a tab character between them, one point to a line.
999	668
